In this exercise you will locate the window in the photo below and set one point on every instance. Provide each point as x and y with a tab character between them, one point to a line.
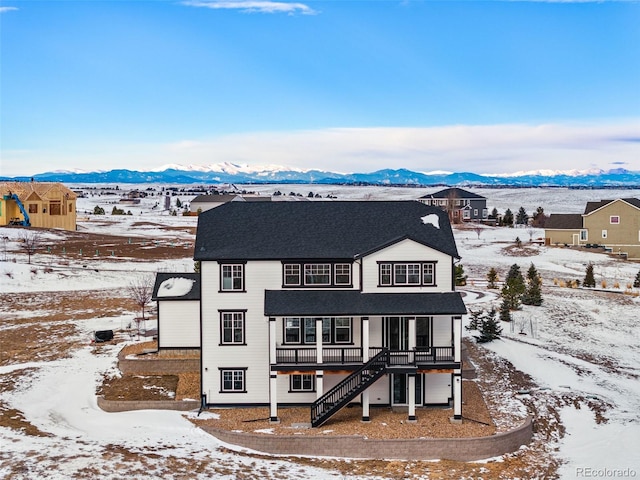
232	278
385	274
232	380
342	275
342	330
303	330
292	274
584	236
485	213
70	207
33	208
232	328
317	274
475	212
428	277
466	214
55	208
614	219
302	383
604	234
412	274
292	330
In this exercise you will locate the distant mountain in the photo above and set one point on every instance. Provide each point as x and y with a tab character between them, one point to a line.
243	174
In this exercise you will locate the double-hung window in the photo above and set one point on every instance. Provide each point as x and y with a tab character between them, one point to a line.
302	383
232	277
292	274
292	330
342	274
232	328
407	274
232	380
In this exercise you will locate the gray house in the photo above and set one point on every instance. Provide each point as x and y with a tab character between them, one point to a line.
462	205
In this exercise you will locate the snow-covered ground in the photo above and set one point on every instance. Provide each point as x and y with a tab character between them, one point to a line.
580	341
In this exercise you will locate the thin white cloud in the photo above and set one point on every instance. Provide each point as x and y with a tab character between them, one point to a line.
253	6
482	149
7	9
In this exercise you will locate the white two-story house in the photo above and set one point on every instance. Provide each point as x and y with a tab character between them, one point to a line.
329	303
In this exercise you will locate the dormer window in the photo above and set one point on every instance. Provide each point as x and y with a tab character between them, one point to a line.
316	274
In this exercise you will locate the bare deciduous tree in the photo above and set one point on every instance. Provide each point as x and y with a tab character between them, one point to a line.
31	240
140	290
478	228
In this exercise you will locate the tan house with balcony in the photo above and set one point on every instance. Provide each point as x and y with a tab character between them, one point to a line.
37	204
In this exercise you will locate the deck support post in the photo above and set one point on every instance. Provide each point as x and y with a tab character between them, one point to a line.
319	383
365	339
273	398
412	397
365	406
457	395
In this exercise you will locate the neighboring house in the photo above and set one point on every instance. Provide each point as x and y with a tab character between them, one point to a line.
563	229
327	303
613	224
203	203
461	205
178	297
37	204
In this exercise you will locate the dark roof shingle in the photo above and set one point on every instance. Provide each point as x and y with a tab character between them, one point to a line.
322	229
304	303
564	221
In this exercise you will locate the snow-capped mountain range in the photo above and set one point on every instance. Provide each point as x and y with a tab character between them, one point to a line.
248	174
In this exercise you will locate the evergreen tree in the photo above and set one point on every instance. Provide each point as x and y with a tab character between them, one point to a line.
636	282
521	217
505	312
539	218
507	218
178	203
589	279
494	213
98	210
492	278
514	287
461	278
476	320
490	328
533	292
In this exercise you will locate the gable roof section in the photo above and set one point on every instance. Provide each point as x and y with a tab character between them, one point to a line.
563	221
213	198
179	280
303	303
316	230
454	192
593	206
24	190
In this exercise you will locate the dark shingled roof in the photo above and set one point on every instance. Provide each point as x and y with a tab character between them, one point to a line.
454	192
193	294
564	221
302	303
315	230
592	206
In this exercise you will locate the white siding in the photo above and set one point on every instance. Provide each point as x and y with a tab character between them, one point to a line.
437	388
254	356
406	251
178	324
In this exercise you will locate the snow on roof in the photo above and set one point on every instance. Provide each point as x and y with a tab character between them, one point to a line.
175	287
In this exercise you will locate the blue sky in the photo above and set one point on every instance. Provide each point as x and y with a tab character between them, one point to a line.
349	86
